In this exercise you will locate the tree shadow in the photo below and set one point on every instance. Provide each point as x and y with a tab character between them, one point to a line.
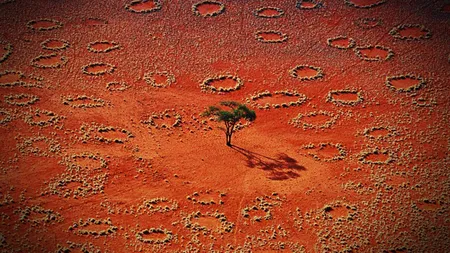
282	167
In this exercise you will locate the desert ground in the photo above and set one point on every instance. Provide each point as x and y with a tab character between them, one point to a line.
105	148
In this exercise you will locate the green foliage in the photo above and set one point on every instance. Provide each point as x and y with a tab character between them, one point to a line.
230	117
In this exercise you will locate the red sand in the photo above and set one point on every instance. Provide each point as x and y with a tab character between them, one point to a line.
264	193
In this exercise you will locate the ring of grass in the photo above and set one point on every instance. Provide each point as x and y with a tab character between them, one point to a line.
225	226
258	12
114	46
166	114
72	165
395	32
94	64
350	3
157	7
34	61
419	85
365	58
8	47
283	37
92	221
96	102
121	86
391	132
32	99
364	154
65	45
206	85
140	235
319	74
6	116
218	12
26	146
50	216
54	118
342	152
364	23
152	205
56	26
289	93
338	102
297	121
90	132
170	78
317	4
351	43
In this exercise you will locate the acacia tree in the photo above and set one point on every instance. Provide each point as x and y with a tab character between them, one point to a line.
230	117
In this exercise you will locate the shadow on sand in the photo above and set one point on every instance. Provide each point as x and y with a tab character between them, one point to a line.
282	167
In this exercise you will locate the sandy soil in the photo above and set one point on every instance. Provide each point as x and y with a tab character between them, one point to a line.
104	149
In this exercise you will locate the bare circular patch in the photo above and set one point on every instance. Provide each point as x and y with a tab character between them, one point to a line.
94	21
350	97
154	236
276	99
55	44
49	61
315	120
271	36
365	4
98	69
45	24
140	6
308	4
208	8
231	83
341	42
102	46
374	53
306	72
405	83
410	32
117	86
327	152
159	79
269	12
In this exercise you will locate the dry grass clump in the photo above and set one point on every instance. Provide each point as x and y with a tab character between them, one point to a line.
191	223
57	25
81	226
368	23
82	247
45	216
12	99
376	151
140	235
26	146
253	99
158	205
360	55
259	12
423	102
117	86
62	61
352	4
109	68
8	47
395	32
294	74
113	46
87	102
45	45
298	122
206	85
420	82
330	97
308	4
6	2
157	7
205	15
282	36
94	131
351	42
149	79
342	153
164	115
